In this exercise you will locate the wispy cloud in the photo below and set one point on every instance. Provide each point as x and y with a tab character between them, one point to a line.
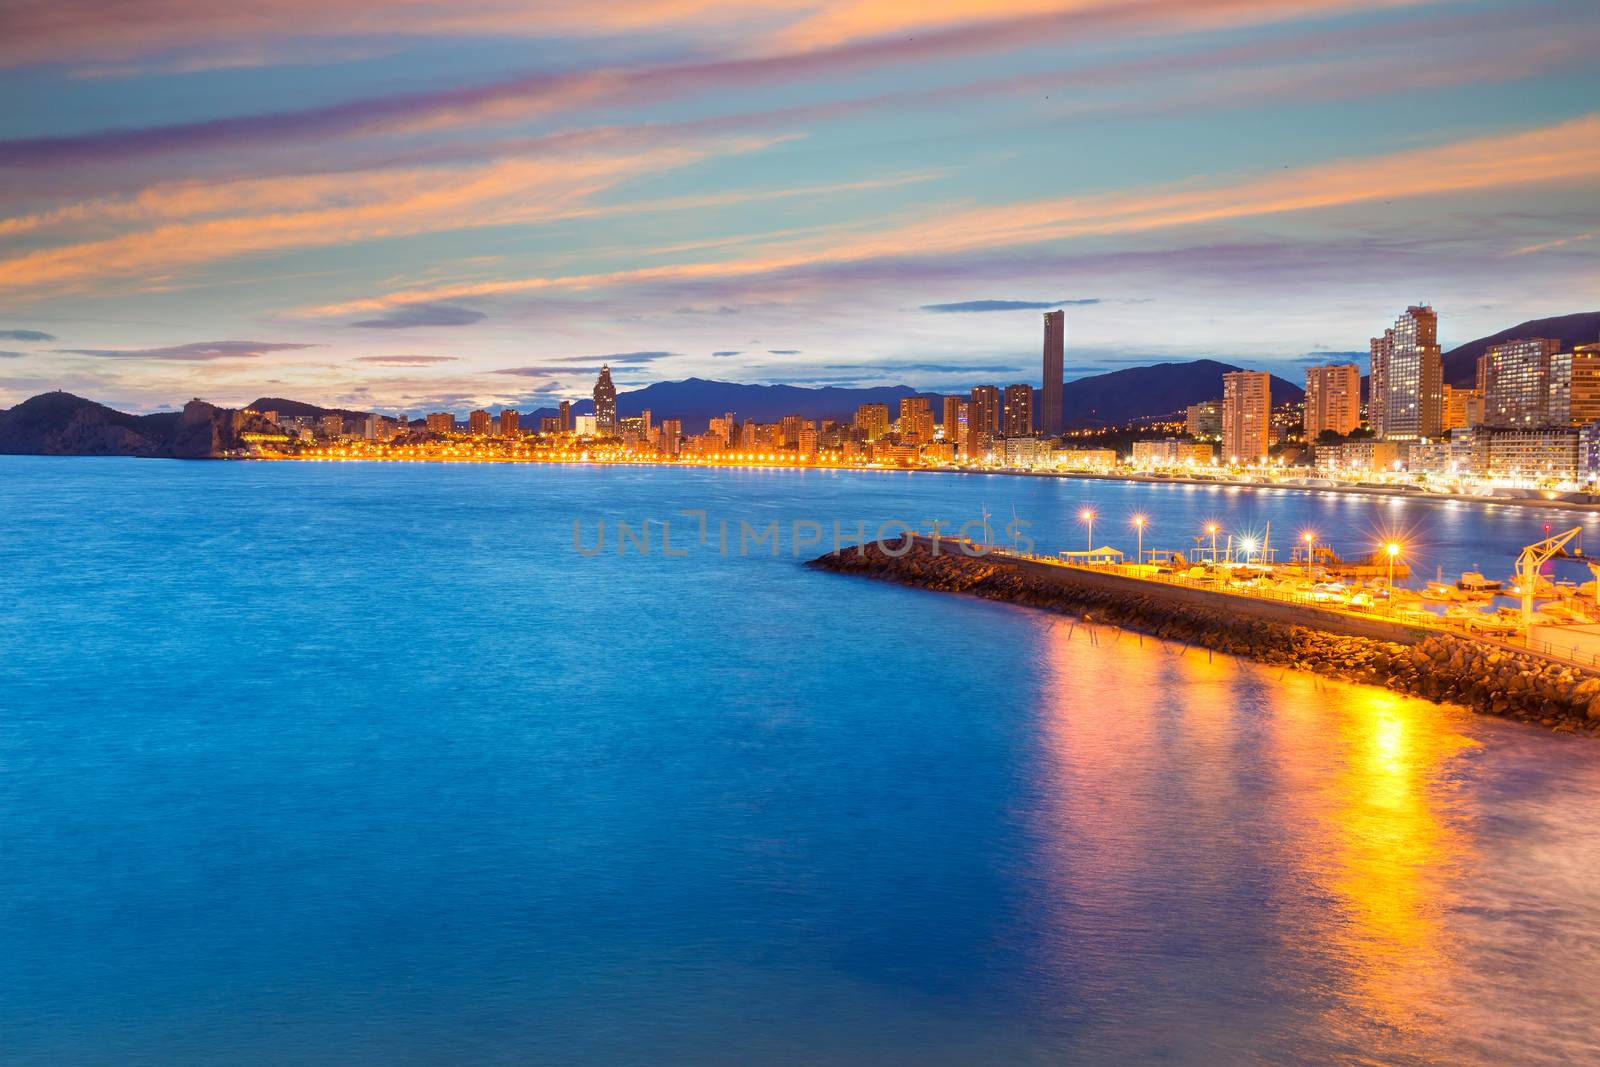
1006	305
195	352
406	361
27	335
1565	152
411	316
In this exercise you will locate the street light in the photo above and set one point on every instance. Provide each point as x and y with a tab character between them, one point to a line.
1211	528
1311	541
1087	517
1139	523
1393	550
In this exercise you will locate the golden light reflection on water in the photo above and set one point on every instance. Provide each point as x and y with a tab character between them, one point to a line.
1369	774
1171	765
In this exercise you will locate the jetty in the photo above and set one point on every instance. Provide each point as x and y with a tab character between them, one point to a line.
1405	649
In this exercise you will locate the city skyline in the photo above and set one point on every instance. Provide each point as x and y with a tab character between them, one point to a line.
457	207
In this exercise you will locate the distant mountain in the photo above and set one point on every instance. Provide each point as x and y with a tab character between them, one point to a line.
697	400
1461	362
1141	392
298	409
60	424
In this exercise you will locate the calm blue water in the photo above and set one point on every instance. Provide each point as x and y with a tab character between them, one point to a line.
364	764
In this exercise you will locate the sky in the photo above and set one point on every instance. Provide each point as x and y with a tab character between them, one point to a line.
444	204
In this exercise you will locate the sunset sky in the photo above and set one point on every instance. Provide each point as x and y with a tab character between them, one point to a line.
421	204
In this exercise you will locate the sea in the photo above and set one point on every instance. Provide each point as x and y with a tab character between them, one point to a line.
407	763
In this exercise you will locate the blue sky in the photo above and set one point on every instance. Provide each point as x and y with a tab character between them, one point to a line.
408	206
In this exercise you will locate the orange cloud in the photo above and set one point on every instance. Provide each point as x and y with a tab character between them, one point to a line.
191	224
1566	152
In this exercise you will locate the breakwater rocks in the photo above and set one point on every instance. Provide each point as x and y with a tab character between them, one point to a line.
1440	667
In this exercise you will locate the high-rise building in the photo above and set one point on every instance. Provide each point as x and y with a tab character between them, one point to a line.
789	428
1053	417
1017	414
1583	388
550	424
565	416
331	425
1204	420
1408	378
916	418
1333	399
441	422
1246	415
510	422
1462	407
1522	386
872	420
479	423
671	436
983	409
952	419
605	404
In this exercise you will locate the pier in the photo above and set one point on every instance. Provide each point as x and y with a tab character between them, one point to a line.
1419	654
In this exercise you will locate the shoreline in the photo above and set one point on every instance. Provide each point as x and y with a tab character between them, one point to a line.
1137	479
1535	502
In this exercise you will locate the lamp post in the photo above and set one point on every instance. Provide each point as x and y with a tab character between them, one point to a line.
1311	541
1087	515
1211	528
1393	550
1139	522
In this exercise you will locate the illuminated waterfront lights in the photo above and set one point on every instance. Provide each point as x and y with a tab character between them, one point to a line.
1139	523
1086	516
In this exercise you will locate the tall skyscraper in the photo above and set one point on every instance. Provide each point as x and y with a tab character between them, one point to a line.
916	418
479	423
1246	415
671	435
605	404
983	409
566	416
951	417
1017	417
1524	384
1053	418
1583	384
510	422
1333	399
441	422
872	420
1408	378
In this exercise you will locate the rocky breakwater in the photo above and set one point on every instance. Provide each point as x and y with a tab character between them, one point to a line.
1441	667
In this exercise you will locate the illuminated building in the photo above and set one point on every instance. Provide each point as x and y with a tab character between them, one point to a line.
1582	373
806	442
478	423
585	425
983	419
916	419
1172	452
441	422
1017	415
1246	415
789	428
1364	456
1534	452
565	416
873	420
952	419
605	404
671	436
1407	384
1519	388
1333	399
550	424
1204	420
510	422
1462	407
331	425
1024	451
1053	417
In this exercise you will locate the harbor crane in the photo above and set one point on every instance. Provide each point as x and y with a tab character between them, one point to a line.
1537	555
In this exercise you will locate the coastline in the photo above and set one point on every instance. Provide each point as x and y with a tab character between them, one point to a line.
1223	483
